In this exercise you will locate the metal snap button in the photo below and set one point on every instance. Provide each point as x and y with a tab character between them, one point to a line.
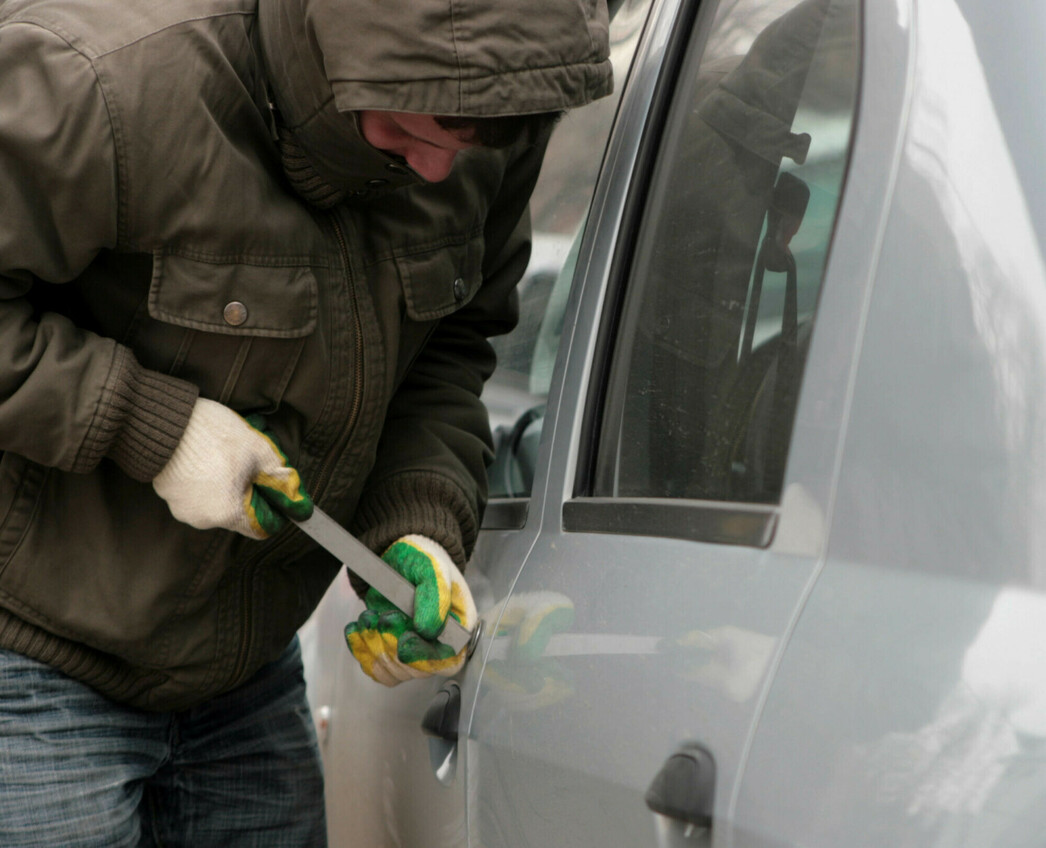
235	313
461	289
397	168
377	183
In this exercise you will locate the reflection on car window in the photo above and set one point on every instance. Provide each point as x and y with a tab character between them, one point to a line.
730	255
515	395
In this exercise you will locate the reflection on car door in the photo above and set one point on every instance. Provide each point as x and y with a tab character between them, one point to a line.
637	613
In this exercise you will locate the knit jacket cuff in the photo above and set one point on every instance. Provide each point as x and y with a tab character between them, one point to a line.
417	502
143	421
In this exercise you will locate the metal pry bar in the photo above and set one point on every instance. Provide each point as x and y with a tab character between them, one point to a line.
362	562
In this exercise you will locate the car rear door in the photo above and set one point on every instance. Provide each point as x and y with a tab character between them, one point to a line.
910	707
639	593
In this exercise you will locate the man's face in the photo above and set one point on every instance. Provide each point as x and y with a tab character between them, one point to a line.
422	143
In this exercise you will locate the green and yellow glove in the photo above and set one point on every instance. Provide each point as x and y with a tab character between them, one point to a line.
227	473
390	646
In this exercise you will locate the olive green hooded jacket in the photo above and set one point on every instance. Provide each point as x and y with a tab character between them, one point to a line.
153	249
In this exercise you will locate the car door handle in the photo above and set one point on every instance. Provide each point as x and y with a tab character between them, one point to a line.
684	788
440	724
442	714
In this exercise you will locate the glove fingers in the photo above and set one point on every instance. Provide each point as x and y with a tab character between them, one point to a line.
431	595
380	672
374	665
377	642
285	493
378	633
367	647
263	519
358	647
373	641
277	481
391	669
428	657
392	622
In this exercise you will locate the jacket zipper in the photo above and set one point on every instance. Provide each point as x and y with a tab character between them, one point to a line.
357	384
322	477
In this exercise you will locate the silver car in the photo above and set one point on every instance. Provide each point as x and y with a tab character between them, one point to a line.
765	555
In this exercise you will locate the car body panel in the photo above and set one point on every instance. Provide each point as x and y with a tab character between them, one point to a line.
909	706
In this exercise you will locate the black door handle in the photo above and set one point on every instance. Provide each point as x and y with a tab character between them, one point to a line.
442	714
685	786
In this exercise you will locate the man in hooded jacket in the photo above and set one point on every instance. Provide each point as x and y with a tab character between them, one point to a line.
250	255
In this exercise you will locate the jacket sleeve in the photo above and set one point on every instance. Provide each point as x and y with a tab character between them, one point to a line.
430	473
67	397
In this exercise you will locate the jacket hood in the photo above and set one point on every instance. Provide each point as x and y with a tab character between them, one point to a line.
327	59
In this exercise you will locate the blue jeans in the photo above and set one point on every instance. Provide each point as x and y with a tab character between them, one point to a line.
79	770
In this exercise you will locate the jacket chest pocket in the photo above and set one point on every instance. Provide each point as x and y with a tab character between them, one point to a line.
441	280
236	331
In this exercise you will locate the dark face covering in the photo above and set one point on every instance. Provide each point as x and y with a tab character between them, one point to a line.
359	173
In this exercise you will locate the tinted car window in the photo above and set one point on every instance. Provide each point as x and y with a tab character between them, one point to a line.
730	255
516	393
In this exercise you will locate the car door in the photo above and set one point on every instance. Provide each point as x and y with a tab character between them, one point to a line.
638	594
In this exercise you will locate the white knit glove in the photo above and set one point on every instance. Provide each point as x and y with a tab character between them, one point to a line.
226	473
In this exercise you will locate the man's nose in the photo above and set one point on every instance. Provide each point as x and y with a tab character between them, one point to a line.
431	163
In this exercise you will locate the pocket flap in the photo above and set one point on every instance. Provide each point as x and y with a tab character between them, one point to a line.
278	301
436	282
